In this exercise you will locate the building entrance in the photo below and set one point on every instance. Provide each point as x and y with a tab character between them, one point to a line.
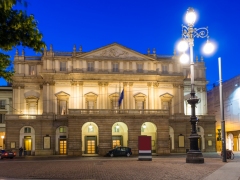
91	144
27	145
63	146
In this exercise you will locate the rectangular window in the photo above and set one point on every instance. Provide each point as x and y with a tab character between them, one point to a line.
116	129
62	129
2	104
90	129
90	105
27	130
140	68
63	66
115	67
32	107
2	118
32	70
63	107
90	66
140	105
165	105
165	68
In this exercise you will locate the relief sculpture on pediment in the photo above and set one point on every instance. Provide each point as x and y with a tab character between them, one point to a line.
113	53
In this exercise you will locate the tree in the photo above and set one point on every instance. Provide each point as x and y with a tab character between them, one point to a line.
16	28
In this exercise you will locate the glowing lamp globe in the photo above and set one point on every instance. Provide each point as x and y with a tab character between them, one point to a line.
191	16
184	58
208	48
182	46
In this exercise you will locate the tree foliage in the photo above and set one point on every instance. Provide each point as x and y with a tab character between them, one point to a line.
16	29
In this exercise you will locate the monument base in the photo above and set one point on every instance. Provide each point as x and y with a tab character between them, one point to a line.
194	157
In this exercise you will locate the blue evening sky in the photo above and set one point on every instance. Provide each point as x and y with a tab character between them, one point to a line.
140	25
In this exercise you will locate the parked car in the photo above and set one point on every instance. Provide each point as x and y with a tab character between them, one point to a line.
7	154
120	151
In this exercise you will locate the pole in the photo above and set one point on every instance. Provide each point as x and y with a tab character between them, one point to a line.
224	159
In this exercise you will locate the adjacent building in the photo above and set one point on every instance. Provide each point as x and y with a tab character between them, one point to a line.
231	106
78	103
5	108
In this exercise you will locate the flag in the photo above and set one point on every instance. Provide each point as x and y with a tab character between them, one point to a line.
121	98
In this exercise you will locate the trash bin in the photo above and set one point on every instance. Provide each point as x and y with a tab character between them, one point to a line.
187	150
25	153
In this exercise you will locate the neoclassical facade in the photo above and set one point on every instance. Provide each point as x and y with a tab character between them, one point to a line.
68	102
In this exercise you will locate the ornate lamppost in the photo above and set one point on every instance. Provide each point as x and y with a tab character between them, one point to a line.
194	155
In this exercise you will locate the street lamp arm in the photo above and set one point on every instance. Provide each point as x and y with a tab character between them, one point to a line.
196	32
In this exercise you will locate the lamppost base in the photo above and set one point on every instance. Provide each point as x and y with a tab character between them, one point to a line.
194	157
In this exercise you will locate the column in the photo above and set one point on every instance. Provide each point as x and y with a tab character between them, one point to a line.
40	102
125	93
180	103
149	95
131	100
26	67
105	101
109	66
22	104
77	98
47	98
155	97
80	95
100	95
51	97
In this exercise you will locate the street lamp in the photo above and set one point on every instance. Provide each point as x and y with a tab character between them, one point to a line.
194	155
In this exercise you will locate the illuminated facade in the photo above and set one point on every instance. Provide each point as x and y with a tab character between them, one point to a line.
68	102
5	108
231	103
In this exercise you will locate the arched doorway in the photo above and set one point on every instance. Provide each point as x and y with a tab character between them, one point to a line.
90	138
61	140
119	134
150	129
27	140
171	136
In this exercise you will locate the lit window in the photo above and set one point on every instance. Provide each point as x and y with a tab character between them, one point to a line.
62	66
165	105
90	129
32	70
90	66
63	107
140	68
115	67
27	130
62	129
140	105
116	129
90	105
2	104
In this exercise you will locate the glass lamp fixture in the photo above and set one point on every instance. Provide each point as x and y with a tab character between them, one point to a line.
208	48
90	126
191	16
144	126
184	58
182	46
117	126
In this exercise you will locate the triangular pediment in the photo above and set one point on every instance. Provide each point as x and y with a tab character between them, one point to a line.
115	51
